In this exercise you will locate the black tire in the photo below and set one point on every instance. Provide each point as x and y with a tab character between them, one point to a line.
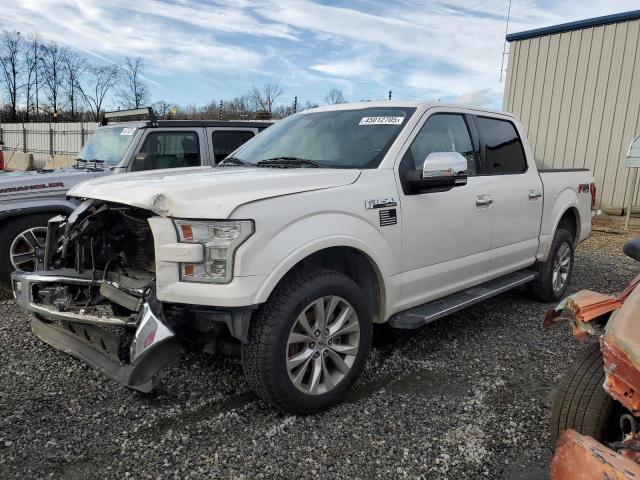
582	404
9	229
542	287
263	357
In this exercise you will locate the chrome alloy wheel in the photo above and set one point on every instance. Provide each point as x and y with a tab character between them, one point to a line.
27	249
561	267
323	345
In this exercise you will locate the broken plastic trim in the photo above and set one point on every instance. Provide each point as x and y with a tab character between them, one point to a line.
154	346
585	307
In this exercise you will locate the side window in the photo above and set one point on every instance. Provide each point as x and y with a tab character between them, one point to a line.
502	151
443	132
226	141
172	149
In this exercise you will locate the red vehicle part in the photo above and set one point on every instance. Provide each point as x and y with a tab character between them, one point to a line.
586	306
582	458
1	157
620	347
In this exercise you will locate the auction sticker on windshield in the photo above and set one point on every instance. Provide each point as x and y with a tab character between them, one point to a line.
128	131
381	121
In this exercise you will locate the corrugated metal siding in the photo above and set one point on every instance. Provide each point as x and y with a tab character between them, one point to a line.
577	94
65	138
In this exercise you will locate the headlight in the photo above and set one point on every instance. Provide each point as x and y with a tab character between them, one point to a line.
220	241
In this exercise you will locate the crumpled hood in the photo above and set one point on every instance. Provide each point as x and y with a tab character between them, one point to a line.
206	192
33	182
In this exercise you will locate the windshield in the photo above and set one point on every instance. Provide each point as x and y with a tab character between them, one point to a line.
108	144
356	138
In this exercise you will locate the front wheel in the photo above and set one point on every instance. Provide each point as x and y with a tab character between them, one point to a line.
555	273
309	342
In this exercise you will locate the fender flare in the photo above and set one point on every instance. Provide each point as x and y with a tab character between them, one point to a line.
317	245
566	206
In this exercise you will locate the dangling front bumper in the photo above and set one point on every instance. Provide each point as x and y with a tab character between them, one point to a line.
82	334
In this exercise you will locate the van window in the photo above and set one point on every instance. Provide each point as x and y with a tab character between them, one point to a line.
226	141
172	149
502	152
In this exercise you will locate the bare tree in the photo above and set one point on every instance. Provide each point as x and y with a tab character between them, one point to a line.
162	108
52	61
307	106
10	47
265	99
134	92
74	66
101	79
239	107
334	97
31	64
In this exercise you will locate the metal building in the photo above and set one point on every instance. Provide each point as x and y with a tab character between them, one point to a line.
576	89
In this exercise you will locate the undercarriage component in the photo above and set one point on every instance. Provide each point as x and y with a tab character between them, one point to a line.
581	457
110	291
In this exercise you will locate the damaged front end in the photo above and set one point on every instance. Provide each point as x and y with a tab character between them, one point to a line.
615	321
96	297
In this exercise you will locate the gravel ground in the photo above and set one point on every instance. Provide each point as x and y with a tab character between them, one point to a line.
465	397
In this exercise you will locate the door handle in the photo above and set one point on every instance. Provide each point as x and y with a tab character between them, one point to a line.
483	200
534	194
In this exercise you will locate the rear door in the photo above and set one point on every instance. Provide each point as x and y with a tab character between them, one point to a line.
173	147
515	192
224	140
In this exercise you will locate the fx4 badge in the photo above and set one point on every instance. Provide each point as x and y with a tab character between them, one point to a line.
380	203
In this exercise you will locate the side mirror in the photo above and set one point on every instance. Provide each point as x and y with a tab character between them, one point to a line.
440	171
143	161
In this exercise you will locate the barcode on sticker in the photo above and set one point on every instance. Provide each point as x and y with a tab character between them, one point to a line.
381	121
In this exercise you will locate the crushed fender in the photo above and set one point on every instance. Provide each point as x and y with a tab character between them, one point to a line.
583	308
579	457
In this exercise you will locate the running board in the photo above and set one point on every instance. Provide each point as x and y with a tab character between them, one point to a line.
421	315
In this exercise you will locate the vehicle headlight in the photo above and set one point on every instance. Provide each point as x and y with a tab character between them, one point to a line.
220	240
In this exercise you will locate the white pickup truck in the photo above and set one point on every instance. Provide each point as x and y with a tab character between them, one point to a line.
295	245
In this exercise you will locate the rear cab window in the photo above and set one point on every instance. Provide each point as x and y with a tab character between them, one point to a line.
226	141
501	150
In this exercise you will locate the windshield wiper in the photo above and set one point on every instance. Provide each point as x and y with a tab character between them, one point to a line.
232	162
285	162
93	164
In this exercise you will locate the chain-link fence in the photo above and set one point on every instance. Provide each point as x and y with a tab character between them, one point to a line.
48	144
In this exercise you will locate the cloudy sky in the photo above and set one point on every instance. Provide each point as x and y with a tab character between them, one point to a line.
200	50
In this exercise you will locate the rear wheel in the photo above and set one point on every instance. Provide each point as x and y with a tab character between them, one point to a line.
555	273
22	242
309	342
582	404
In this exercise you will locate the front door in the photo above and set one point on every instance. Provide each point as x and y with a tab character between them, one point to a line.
173	148
446	235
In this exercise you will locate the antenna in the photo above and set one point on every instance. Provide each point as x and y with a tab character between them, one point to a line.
504	48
